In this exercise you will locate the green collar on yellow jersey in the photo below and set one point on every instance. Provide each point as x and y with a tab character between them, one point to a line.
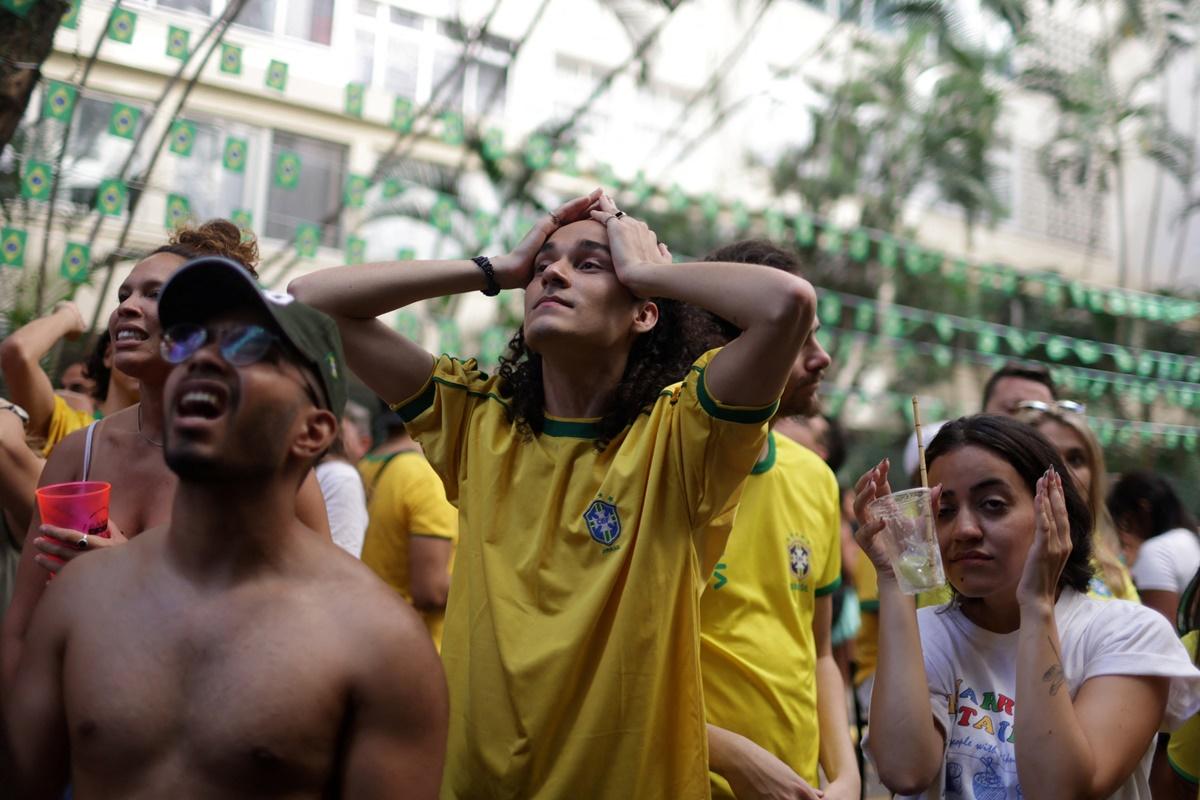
574	428
769	460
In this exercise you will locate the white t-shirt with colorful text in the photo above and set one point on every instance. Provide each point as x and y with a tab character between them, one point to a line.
972	686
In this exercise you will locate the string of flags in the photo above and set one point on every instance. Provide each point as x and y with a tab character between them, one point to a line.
539	152
1110	431
1079	382
903	322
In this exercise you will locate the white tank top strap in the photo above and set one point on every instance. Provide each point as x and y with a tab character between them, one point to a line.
87	449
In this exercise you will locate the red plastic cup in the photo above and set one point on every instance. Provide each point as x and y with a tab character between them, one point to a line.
79	506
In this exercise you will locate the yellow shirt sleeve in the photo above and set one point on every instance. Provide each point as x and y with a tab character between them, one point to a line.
831	577
866	645
429	514
1183	751
64	421
707	431
439	414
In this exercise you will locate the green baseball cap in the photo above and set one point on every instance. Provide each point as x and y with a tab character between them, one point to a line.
209	285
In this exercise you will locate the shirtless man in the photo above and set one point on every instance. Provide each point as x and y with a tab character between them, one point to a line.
231	653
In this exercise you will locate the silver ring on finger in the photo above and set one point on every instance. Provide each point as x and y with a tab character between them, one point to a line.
82	544
619	214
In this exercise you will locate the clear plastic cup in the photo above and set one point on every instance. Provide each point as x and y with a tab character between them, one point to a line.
79	505
909	539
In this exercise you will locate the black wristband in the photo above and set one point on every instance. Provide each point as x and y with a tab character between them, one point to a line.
489	275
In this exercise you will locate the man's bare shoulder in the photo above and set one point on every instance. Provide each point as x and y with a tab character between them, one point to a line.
105	565
371	609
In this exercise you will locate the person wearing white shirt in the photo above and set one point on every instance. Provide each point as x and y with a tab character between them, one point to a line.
1021	686
1158	538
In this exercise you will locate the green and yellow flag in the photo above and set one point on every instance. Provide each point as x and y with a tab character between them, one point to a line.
12	247
287	169
231	59
355	94
123	121
110	197
453	130
245	222
70	19
234	156
356	190
356	250
183	137
402	115
179	211
75	262
121	25
59	100
177	43
308	237
35	181
277	75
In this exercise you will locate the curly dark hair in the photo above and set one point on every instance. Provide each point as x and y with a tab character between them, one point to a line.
659	357
1029	453
95	368
217	237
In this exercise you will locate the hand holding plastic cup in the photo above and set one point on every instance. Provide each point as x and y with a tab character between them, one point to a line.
909	539
79	505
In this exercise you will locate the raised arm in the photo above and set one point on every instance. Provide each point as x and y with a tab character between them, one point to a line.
391	365
1088	746
396	744
34	717
774	309
20	354
19	470
906	744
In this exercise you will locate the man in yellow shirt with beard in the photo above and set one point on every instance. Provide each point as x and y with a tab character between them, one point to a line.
774	697
588	474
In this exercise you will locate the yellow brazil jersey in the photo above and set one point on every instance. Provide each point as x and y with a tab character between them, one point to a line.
1183	751
571	640
406	499
757	652
866	645
64	421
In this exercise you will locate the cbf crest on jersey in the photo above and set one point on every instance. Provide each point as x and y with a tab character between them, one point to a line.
603	522
799	561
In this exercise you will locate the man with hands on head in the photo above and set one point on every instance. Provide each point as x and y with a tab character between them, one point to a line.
588	474
1022	686
231	653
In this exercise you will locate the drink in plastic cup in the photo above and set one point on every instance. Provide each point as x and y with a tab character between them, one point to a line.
909	539
79	505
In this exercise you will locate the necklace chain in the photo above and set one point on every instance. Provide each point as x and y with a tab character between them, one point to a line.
145	438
